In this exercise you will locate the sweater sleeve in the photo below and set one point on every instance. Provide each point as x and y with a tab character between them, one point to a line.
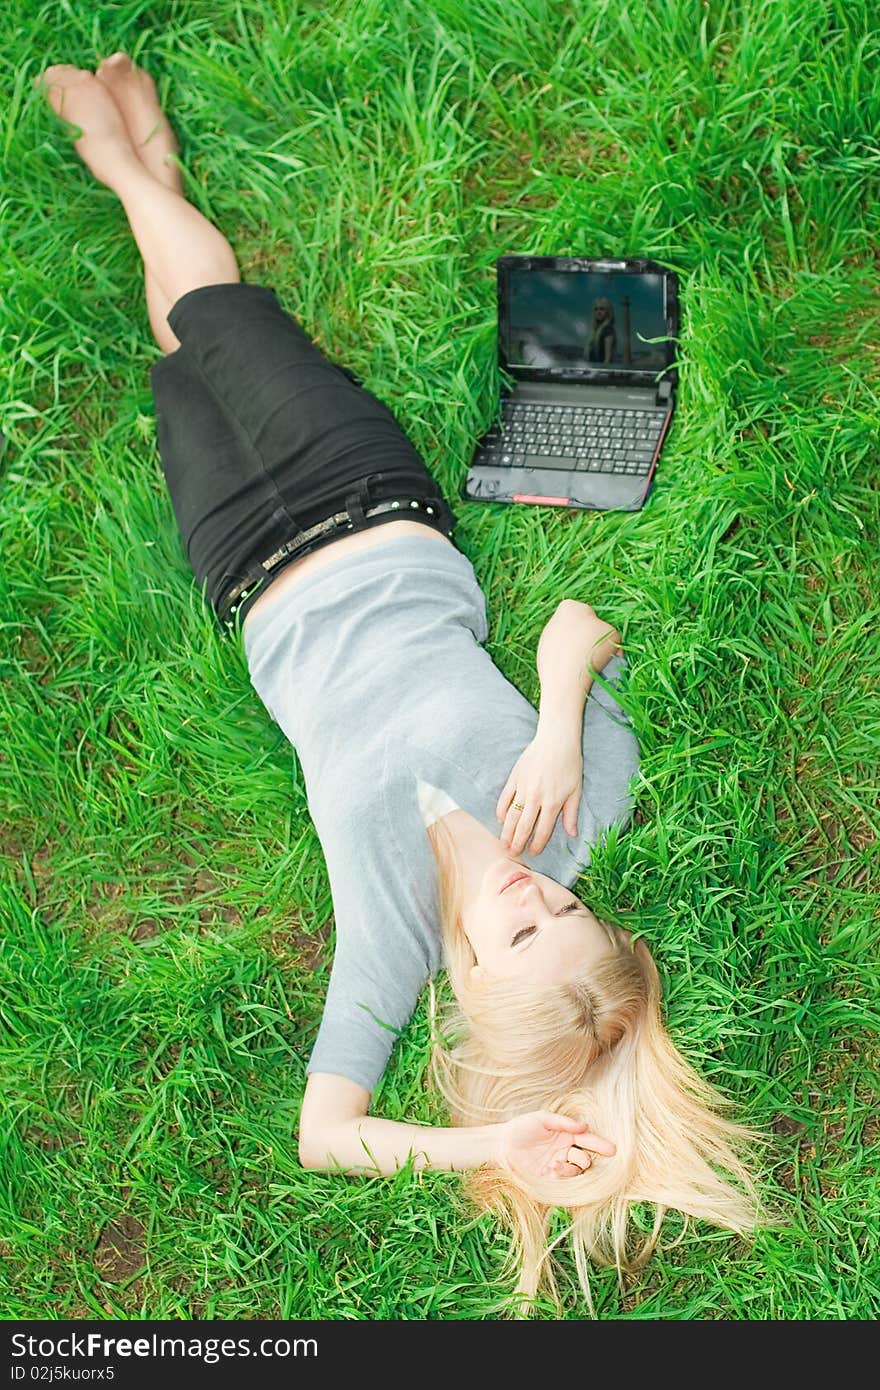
611	761
386	947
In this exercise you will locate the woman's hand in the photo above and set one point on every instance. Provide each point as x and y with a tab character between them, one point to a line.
543	1144
547	778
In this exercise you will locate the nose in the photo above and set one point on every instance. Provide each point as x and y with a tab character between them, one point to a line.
524	891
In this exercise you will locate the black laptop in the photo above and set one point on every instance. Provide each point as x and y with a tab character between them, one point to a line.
589	349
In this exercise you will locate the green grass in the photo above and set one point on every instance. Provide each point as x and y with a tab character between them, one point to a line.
167	921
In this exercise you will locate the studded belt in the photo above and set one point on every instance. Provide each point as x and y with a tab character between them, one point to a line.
338	524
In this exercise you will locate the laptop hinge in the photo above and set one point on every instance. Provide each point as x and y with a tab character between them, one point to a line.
664	393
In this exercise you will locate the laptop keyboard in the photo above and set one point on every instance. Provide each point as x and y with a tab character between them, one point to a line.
582	438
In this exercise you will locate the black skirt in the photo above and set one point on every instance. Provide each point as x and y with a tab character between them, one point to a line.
261	437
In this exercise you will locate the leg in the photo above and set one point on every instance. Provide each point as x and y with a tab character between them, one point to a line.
261	436
181	249
156	146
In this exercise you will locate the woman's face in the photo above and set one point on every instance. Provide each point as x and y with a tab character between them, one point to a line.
523	925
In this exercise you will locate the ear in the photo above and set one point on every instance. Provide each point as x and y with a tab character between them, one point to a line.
477	975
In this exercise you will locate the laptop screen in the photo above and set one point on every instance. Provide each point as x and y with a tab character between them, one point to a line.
585	319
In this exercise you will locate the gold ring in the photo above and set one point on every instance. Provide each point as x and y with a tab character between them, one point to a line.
518	806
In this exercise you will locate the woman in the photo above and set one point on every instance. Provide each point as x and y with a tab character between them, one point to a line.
443	804
602	345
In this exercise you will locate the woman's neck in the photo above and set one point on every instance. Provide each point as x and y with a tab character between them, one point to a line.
475	848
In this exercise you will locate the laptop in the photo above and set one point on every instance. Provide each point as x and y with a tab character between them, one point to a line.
588	348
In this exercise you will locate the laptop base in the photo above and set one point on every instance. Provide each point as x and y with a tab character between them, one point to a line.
566	486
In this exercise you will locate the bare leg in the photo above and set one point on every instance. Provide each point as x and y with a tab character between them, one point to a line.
181	249
156	146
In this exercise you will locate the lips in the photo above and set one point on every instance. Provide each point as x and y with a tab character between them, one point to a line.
513	878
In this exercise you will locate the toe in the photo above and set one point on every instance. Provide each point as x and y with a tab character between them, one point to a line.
50	74
64	75
117	62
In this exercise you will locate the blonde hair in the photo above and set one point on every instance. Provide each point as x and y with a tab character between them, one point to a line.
596	323
594	1048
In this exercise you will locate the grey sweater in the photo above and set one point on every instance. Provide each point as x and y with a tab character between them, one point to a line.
374	670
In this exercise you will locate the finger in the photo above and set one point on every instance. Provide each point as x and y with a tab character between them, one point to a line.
578	1158
544	829
524	826
510	819
596	1144
509	796
570	813
561	1124
566	1170
504	800
515	812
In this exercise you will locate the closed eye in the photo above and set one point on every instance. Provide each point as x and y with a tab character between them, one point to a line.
521	935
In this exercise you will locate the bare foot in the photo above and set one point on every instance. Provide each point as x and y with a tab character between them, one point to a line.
80	99
149	129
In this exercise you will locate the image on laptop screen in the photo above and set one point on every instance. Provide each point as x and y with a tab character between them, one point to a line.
586	319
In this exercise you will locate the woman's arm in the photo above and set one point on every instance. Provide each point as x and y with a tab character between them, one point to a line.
574	645
548	777
336	1132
